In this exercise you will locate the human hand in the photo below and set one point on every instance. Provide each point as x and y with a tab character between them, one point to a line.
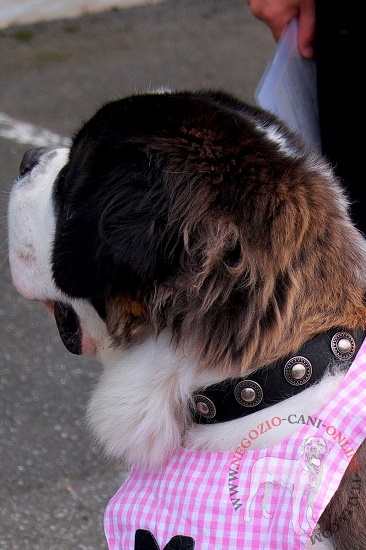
278	13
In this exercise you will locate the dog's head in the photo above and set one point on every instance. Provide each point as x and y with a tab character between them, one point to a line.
191	211
314	452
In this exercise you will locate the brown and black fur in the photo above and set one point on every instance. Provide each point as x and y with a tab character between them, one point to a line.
242	247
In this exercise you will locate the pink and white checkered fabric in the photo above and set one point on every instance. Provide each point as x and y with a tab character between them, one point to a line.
254	499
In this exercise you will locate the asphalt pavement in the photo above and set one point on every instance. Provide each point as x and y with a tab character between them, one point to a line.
54	480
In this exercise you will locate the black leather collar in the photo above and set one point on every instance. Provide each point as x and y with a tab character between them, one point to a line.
238	397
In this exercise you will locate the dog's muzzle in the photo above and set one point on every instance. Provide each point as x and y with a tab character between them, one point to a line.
69	327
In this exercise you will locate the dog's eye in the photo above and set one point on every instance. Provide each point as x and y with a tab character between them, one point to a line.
61	177
69	215
60	192
58	189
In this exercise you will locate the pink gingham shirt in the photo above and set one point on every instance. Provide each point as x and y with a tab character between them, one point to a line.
254	499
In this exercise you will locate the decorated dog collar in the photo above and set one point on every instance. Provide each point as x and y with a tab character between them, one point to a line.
237	397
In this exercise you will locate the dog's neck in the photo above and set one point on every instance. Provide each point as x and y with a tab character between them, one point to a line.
238	397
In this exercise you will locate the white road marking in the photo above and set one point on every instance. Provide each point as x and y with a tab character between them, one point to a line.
29	134
31	11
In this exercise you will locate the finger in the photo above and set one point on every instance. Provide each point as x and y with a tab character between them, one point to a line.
306	28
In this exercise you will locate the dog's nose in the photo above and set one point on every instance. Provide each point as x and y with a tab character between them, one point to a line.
31	159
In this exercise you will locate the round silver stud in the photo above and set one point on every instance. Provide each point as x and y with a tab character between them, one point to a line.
343	346
298	371
248	393
204	406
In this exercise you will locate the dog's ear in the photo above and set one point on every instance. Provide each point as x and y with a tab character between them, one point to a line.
303	445
263	266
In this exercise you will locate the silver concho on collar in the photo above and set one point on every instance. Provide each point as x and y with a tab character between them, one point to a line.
343	346
248	393
204	406
298	371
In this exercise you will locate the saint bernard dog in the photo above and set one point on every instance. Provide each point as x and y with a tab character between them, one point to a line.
187	239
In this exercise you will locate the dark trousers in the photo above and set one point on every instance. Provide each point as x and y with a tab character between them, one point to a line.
341	61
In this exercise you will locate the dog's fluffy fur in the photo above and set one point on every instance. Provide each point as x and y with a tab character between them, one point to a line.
196	238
